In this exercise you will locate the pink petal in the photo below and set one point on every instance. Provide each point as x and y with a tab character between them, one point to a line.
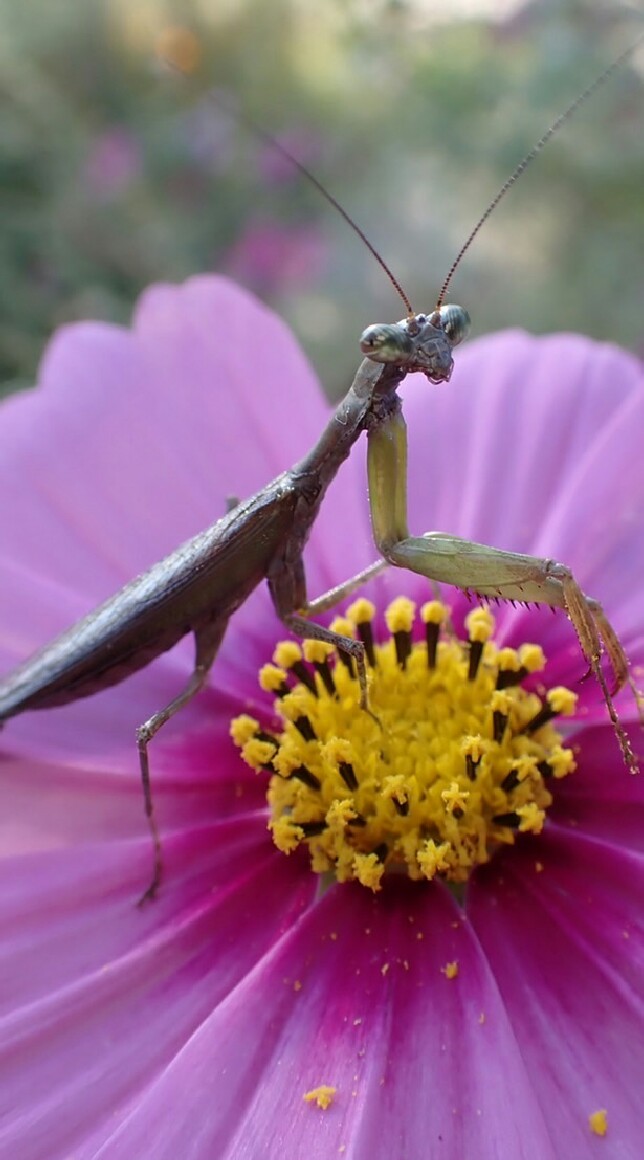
566	946
46	805
599	799
494	452
100	996
133	444
535	446
354	997
197	778
125	434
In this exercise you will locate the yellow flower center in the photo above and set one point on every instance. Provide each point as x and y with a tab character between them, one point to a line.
451	762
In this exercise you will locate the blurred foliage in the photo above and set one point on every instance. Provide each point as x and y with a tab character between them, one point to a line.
115	172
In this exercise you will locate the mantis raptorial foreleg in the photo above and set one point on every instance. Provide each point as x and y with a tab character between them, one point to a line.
486	571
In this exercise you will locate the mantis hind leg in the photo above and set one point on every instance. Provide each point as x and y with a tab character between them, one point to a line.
207	641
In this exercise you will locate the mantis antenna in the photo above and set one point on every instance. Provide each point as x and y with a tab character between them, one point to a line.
530	157
263	135
171	53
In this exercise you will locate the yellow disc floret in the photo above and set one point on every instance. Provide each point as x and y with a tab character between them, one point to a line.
451	761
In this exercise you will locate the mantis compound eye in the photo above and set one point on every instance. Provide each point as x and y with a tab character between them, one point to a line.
386	343
456	322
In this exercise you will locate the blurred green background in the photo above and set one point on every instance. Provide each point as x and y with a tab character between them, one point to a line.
115	172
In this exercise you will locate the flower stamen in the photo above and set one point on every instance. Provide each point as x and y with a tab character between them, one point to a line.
451	763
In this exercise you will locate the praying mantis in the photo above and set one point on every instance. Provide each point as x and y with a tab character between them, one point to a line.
200	585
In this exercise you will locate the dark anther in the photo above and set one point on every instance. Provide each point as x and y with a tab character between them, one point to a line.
499	724
512	820
401	808
457	813
544	715
381	852
476	652
359	821
432	633
312	829
347	661
471	766
326	676
365	632
402	641
507	678
545	769
304	728
262	735
511	781
304	775
347	774
305	676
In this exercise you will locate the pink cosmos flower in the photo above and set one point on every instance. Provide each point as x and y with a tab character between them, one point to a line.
193	1027
114	162
274	257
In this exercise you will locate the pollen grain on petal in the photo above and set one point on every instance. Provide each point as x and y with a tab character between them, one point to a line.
599	1122
450	970
321	1096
